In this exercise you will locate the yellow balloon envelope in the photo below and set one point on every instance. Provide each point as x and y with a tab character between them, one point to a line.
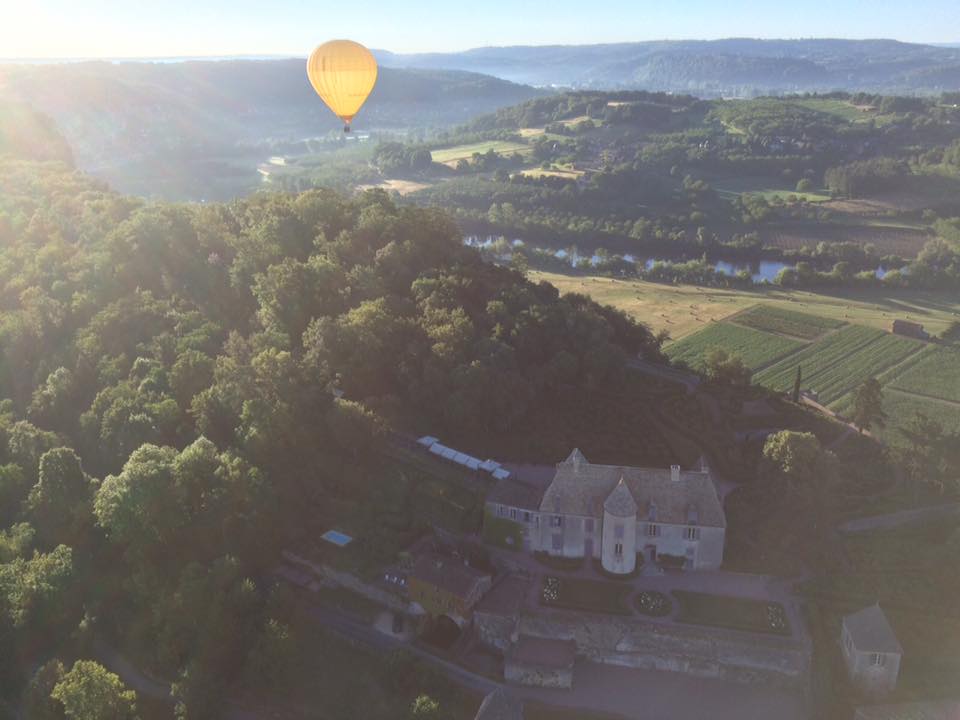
343	73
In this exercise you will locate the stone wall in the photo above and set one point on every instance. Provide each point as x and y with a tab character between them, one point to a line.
690	649
521	674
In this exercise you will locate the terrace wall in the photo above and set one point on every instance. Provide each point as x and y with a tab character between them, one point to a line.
633	642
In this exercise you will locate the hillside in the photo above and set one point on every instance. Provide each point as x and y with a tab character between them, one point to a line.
29	135
736	66
196	130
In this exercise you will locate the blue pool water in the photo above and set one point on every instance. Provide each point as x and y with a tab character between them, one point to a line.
337	538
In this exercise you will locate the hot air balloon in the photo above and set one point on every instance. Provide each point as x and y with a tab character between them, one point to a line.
343	73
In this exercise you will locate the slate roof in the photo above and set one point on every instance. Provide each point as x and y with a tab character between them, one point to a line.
941	710
516	493
500	705
620	502
447	573
871	632
580	488
544	652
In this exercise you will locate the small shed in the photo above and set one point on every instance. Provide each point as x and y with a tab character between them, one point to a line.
541	662
871	651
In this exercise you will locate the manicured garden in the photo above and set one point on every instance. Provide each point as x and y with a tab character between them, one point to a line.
734	613
653	603
589	595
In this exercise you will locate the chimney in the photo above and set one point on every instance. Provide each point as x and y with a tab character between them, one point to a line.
675	473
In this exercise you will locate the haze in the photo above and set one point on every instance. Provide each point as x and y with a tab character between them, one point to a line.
104	28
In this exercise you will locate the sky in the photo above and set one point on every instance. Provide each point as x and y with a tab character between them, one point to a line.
163	28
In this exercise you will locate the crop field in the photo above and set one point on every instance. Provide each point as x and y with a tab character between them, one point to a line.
860	365
819	357
937	375
771	318
465	152
754	347
684	309
889	239
901	407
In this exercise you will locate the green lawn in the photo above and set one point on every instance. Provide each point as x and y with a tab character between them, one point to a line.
590	595
936	375
731	612
771	318
465	152
756	348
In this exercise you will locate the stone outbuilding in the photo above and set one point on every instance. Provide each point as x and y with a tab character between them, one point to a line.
541	662
500	705
871	651
442	585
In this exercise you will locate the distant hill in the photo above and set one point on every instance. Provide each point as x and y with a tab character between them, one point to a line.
737	66
151	127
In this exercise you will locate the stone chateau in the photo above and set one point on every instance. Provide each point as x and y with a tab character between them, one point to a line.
614	513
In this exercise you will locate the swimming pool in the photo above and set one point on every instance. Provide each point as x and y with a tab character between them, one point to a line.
337	538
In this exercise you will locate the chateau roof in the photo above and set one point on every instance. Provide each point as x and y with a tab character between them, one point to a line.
516	493
620	502
871	632
580	488
500	705
448	574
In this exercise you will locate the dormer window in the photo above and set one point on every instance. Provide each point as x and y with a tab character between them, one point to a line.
652	512
693	515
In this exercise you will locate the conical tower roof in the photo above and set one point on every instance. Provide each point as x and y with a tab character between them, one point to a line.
620	502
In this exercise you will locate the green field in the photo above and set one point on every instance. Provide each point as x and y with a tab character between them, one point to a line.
757	349
768	189
819	357
861	365
465	152
901	407
771	318
936	375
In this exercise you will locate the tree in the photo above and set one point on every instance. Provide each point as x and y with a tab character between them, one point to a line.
38	703
59	503
91	692
726	369
804	185
424	708
868	405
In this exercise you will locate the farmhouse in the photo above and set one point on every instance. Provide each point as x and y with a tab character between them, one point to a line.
871	650
444	586
613	513
910	329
